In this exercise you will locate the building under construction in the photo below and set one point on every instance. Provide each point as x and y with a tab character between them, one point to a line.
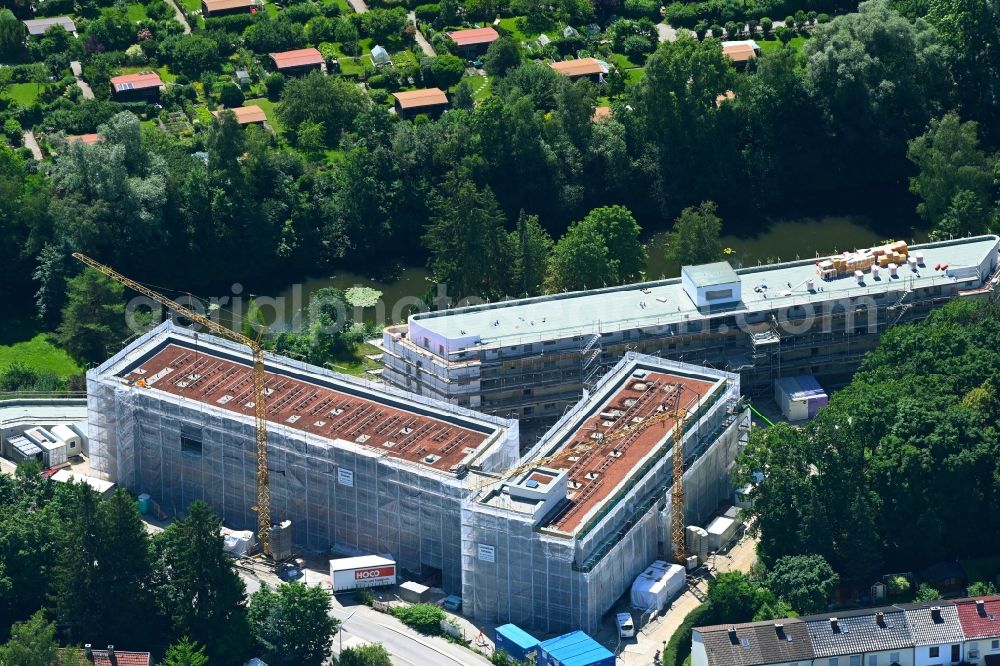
356	467
554	543
531	358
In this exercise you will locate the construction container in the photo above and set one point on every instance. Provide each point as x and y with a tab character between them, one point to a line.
53	448
74	443
355	573
281	541
516	642
574	649
721	531
657	586
799	398
20	449
413	592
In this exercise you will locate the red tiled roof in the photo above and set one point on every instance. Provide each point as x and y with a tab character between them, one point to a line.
222	5
581	67
474	36
246	114
601	113
297	58
121	658
88	139
739	52
975	625
413	99
136	81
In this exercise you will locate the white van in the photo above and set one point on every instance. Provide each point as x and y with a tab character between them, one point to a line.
625	627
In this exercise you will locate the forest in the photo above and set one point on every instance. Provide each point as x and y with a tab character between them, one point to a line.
900	470
506	193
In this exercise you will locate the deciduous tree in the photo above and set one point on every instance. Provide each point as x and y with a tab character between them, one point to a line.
292	624
694	238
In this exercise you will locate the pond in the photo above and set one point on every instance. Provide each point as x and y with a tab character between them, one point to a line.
784	240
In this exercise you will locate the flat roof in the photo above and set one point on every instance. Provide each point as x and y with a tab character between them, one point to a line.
99	485
246	114
414	99
666	302
710	275
173	363
345	563
297	58
474	36
580	67
136	81
600	447
39	26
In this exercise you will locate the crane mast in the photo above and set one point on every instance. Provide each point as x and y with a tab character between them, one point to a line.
263	506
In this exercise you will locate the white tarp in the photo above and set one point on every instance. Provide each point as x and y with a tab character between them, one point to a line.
658	585
238	543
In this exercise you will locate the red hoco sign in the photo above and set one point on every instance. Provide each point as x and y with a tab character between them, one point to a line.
377	572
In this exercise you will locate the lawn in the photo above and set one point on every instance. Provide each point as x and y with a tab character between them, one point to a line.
480	87
267	106
358	364
24	94
40	354
165	74
635	75
772	45
622	61
192	5
510	25
135	12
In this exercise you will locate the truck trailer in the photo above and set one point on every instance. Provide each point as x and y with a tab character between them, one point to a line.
355	573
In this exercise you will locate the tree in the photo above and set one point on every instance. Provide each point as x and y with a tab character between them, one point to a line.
447	70
785	33
270	35
12	34
329	100
879	79
32	643
292	624
532	246
806	582
365	655
502	56
579	260
199	591
93	319
311	138
735	597
467	242
194	54
230	95
951	162
898	585
968	27
384	25
694	238
75	579
185	652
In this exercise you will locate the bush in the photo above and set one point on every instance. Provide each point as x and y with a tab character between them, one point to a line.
897	585
230	95
13	131
765	25
425	618
427	12
642	8
822	18
681	15
785	34
636	47
274	83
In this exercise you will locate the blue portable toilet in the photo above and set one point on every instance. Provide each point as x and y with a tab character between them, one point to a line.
574	649
516	642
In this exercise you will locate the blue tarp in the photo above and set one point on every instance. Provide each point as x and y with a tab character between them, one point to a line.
516	642
575	649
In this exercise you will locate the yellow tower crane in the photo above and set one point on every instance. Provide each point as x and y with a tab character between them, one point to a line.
263	507
672	412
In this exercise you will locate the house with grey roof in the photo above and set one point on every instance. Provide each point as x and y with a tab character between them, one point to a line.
937	633
772	643
874	637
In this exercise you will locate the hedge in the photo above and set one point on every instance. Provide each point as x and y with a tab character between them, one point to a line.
679	646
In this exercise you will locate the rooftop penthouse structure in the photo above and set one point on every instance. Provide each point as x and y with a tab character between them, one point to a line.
554	543
531	358
356	467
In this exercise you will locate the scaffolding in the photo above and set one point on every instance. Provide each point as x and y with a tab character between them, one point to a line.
341	496
537	574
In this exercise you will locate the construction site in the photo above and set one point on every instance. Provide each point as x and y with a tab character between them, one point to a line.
554	543
532	358
357	468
